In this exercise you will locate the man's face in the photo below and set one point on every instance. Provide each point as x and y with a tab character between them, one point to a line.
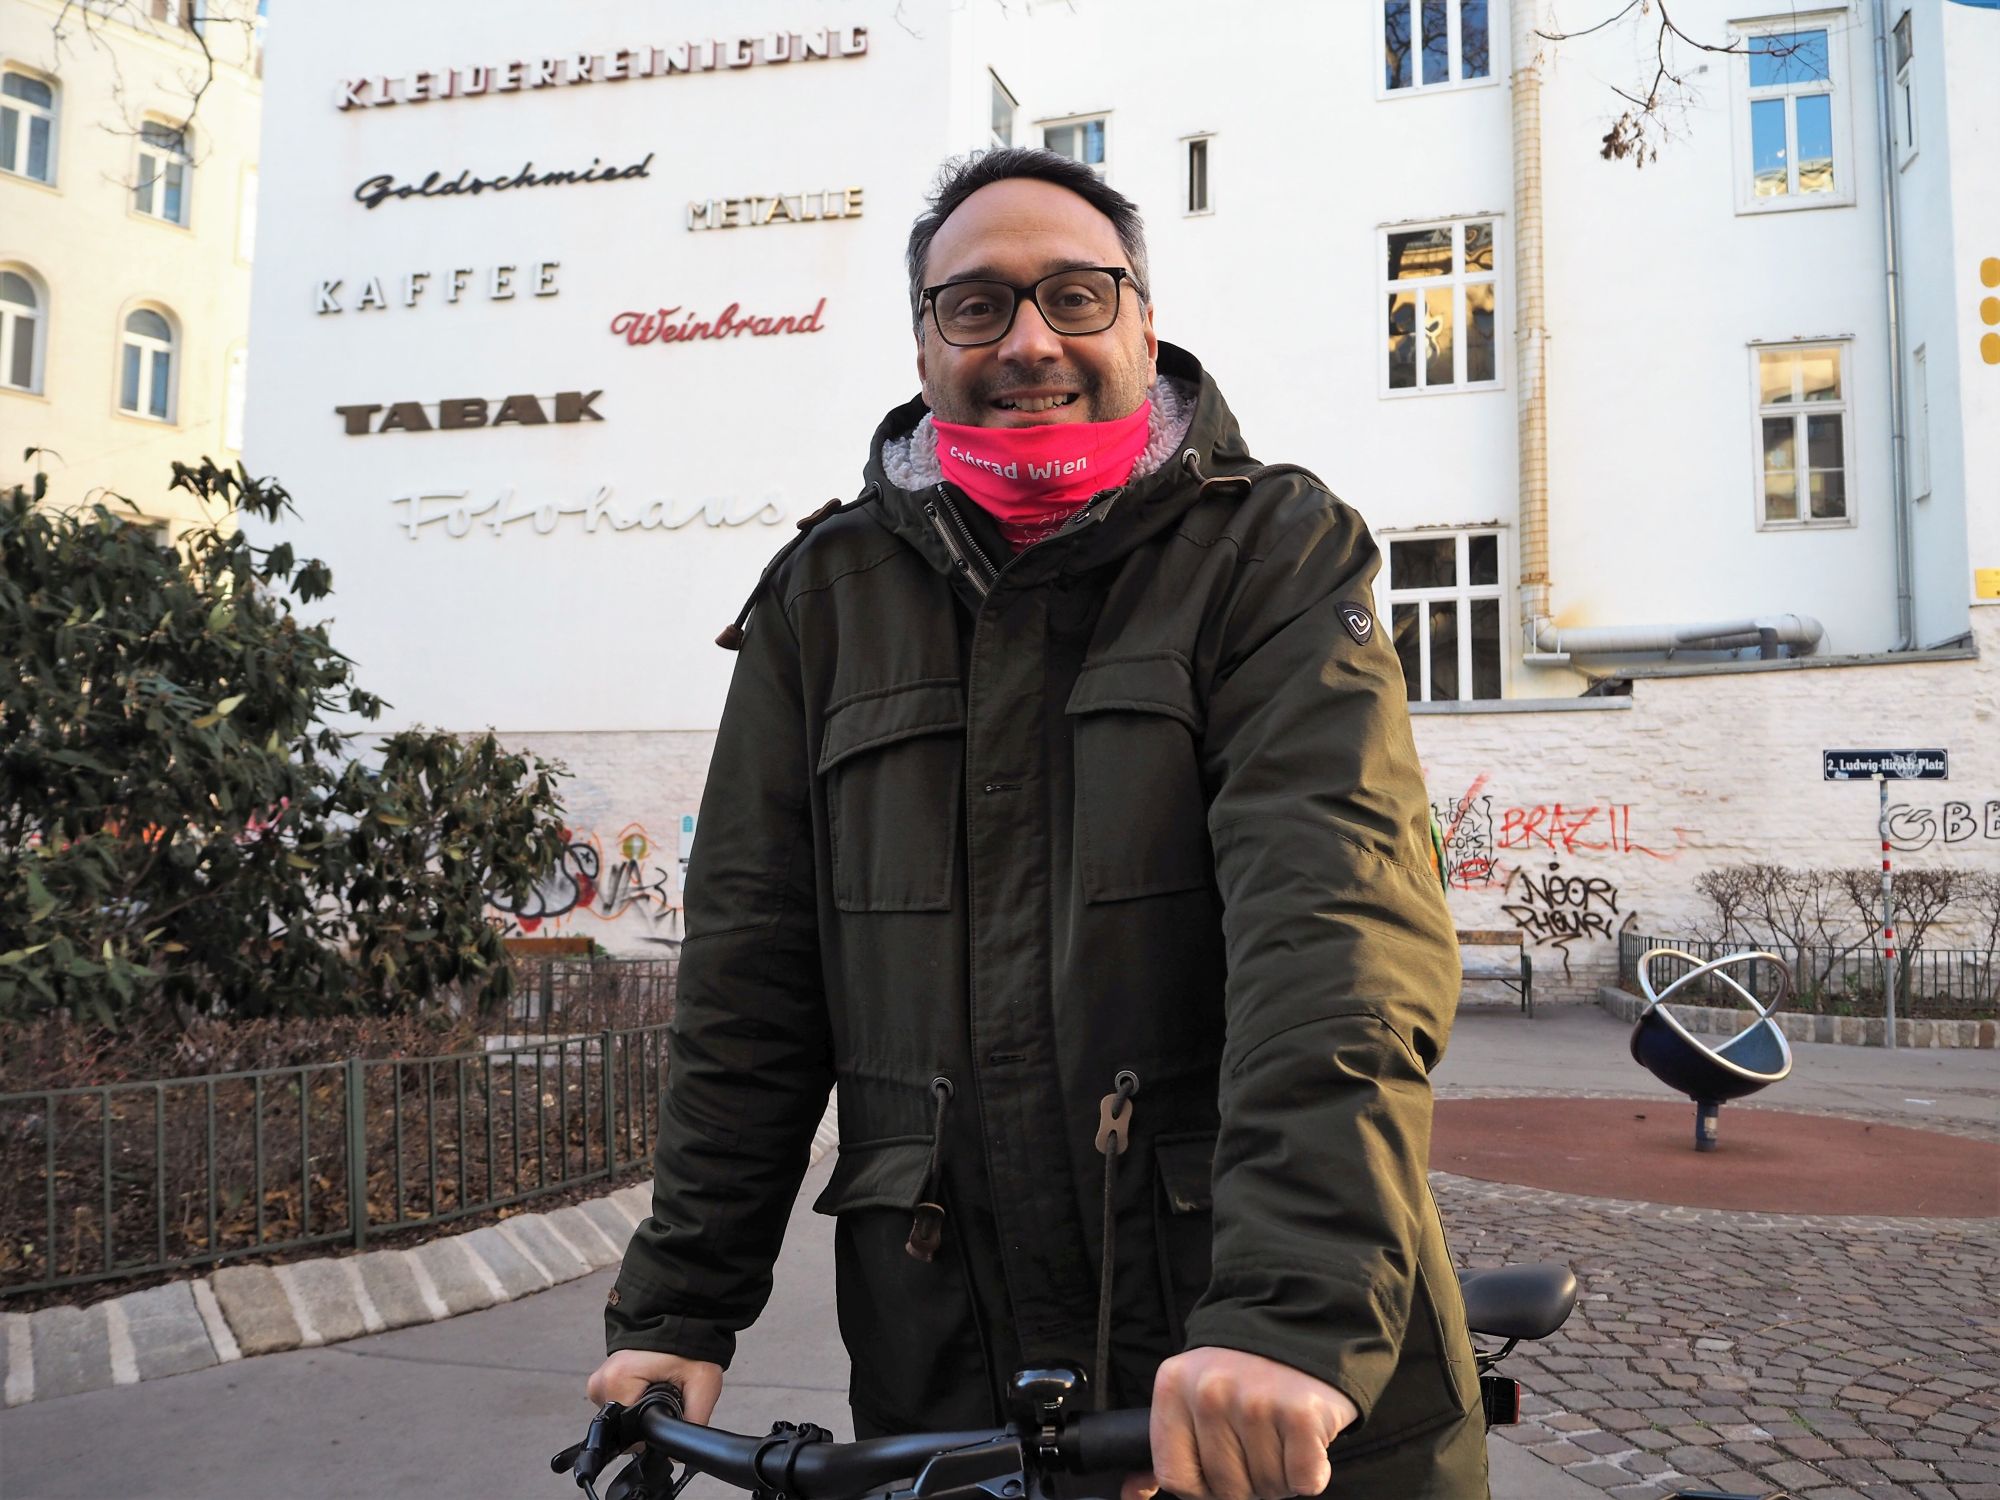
1018	231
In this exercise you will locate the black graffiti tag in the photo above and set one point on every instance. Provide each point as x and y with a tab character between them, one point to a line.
1556	910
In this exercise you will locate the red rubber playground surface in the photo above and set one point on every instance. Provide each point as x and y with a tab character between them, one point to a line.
1768	1161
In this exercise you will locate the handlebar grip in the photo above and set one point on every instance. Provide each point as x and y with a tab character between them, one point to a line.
1113	1441
665	1394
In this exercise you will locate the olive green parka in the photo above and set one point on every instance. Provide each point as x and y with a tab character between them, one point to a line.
1140	799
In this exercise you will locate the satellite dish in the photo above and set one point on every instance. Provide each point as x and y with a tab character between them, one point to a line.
1755	1058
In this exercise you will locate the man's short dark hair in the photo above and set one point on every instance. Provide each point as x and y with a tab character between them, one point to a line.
963	176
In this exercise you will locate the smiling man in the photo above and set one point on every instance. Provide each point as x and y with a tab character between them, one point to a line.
1065	812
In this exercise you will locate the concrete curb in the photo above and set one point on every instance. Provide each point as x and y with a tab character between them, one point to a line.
1851	1031
243	1310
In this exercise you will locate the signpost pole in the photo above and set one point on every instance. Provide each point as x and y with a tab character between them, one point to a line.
1888	917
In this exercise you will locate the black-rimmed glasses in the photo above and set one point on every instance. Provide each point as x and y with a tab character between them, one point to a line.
1079	301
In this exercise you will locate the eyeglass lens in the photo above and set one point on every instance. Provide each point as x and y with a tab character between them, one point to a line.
1074	302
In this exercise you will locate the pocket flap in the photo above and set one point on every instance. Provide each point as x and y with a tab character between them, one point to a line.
877	1174
935	706
1157	684
1187	1172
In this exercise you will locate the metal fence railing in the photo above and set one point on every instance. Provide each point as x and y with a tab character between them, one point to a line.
1931	984
553	996
130	1178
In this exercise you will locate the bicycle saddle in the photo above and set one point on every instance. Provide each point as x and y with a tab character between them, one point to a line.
1518	1302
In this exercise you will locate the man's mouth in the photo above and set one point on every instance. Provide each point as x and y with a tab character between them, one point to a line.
1037	403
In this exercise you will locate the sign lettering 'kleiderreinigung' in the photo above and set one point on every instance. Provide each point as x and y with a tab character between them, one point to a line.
1890	765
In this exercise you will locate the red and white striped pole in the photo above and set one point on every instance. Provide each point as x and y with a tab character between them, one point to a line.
1888	919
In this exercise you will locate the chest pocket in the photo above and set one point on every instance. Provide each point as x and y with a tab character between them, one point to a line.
893	762
1141	814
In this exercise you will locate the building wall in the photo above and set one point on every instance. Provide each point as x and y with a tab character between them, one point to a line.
96	258
1972	41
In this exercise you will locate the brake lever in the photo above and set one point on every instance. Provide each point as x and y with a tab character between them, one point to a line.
650	1476
587	1459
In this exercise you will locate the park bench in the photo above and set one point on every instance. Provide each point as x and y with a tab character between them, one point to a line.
1516	970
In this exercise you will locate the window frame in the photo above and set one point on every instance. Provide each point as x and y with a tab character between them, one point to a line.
1462	594
1903	96
1454	50
10	332
1839	88
1919	417
176	347
1103	116
1845	408
1205	140
142	150
1458	280
26	113
1001	91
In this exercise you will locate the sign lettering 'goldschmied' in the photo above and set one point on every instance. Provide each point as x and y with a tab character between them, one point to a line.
1890	765
431	85
498	284
779	208
455	512
377	190
670	325
472	411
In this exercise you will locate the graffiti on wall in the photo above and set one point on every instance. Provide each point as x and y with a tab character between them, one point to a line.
1467	826
1952	826
635	881
1554	910
1480	834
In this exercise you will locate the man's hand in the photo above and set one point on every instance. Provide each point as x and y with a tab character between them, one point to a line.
625	1375
1234	1426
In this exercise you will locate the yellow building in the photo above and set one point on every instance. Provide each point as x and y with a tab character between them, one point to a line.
128	195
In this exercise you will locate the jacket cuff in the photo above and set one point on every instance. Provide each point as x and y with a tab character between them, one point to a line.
634	1319
1359	1366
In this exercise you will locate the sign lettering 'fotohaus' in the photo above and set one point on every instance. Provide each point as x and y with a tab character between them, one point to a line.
1890	765
525	411
498	284
707	56
455	513
779	208
379	189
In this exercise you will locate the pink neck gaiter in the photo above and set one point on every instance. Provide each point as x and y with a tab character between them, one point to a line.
1032	479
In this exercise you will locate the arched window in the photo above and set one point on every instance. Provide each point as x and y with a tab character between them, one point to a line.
164	179
27	126
23	326
146	371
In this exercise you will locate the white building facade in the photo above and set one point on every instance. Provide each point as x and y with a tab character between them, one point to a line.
128	215
574	312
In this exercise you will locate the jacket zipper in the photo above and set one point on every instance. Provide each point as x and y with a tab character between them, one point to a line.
959	543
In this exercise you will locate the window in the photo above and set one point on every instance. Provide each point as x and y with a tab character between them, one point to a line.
1197	175
1920	424
1439	295
27	127
1080	140
175	12
166	167
1004	104
1802	435
1905	104
237	386
1426	43
1795	121
1444	613
23	328
146	367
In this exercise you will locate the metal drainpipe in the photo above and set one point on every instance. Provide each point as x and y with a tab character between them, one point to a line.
1530	336
1899	442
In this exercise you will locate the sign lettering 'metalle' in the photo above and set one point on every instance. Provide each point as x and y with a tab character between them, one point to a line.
767	50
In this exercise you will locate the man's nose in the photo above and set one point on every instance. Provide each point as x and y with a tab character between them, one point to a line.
1030	341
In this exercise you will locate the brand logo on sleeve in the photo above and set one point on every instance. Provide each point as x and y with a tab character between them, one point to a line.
1360	624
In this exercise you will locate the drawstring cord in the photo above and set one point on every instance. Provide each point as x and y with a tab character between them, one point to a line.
927	1225
731	638
1114	1137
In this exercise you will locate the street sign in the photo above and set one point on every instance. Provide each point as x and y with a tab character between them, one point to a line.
1890	765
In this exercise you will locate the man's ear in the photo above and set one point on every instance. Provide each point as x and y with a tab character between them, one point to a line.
1152	347
922	378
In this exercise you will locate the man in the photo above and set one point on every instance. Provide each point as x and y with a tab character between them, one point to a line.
1065	812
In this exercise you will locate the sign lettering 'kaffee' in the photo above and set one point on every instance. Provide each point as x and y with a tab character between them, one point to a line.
1890	765
778	208
498	285
471	411
707	56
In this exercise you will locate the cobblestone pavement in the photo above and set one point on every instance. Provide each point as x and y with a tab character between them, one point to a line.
1834	1357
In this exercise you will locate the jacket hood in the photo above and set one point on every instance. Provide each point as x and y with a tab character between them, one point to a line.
1116	522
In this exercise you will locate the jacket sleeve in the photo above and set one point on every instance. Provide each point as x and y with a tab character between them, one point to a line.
1342	967
749	1050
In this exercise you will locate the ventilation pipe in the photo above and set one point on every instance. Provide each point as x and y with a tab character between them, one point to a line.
1899	440
1799	634
1530	336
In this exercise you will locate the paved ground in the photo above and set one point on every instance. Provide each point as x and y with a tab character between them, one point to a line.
1839	1357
